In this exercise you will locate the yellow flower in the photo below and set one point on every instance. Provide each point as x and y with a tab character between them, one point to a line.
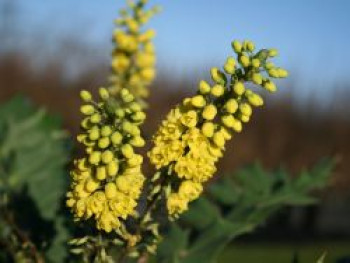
189	118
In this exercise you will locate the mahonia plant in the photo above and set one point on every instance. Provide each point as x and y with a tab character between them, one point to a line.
192	138
107	181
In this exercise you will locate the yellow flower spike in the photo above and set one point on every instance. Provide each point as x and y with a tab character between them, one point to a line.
104	94
239	88
95	158
106	130
104	142
112	168
218	76
209	112
273	52
244	60
127	150
198	101
85	96
255	63
87	109
245	109
116	138
91	185
270	86
101	173
219	139
218	90
107	157
237	46
204	87
111	190
208	129
257	78
231	106
228	120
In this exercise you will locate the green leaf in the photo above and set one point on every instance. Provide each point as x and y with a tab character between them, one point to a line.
37	153
173	246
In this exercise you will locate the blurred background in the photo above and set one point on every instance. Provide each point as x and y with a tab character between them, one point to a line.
49	50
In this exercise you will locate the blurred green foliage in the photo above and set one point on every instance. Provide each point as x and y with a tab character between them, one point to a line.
34	151
236	205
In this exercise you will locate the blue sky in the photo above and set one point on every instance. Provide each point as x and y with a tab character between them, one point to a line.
312	35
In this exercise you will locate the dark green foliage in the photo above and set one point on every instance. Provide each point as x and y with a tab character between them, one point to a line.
236	205
33	156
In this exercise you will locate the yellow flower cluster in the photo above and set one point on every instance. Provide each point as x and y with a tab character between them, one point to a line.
192	138
133	58
108	181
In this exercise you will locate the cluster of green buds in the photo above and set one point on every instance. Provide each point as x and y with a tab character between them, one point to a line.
107	181
133	57
192	138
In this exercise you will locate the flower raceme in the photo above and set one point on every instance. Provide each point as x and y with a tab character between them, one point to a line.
108	181
133	57
192	138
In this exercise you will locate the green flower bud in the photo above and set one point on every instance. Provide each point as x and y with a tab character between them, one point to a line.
198	101
104	142
106	131
231	106
85	96
94	134
237	46
218	91
127	150
104	94
87	109
107	157
239	88
116	138
204	87
95	158
257	79
244	60
95	118
273	52
218	76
